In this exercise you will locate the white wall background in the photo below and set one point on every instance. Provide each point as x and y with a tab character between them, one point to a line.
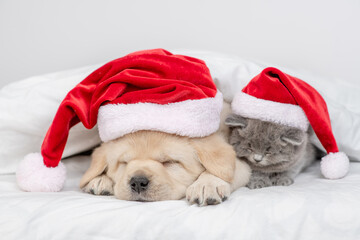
41	36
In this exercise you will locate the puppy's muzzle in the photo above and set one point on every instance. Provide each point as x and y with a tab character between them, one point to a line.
139	184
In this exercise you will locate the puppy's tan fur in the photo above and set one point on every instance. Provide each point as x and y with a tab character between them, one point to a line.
203	169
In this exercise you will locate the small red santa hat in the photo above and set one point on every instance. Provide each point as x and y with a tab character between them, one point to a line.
146	90
277	97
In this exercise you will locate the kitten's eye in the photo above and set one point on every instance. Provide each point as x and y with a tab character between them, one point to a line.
249	148
267	153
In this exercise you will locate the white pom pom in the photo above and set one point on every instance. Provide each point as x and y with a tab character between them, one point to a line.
335	165
33	176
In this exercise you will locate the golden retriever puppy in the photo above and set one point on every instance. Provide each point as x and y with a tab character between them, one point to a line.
154	166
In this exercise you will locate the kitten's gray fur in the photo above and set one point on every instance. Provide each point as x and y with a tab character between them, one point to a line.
276	153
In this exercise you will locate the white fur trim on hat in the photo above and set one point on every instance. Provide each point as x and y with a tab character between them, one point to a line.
191	118
33	176
335	165
248	106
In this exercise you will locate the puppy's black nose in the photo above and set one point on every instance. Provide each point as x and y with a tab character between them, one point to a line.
139	183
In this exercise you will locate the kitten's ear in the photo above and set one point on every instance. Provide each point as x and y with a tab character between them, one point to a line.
293	136
234	120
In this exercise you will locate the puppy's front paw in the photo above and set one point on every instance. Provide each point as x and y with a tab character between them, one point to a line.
208	190
101	185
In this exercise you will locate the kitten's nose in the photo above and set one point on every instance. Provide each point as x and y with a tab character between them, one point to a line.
139	183
258	157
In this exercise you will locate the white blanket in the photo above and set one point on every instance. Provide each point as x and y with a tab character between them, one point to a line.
312	208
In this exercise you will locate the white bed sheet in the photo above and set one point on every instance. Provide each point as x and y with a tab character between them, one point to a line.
312	208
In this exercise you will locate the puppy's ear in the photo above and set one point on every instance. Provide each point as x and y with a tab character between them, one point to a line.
97	166
293	136
217	156
234	120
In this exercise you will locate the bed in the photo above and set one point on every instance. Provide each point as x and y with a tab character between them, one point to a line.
311	208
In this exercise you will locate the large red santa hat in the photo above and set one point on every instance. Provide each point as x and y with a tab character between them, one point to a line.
277	97
146	90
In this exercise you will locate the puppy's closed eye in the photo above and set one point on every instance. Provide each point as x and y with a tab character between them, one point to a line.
170	162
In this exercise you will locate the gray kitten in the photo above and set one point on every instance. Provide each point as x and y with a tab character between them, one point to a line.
276	153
